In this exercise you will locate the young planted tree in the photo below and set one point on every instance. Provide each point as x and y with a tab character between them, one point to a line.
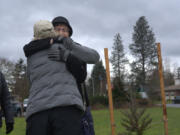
144	51
135	120
118	61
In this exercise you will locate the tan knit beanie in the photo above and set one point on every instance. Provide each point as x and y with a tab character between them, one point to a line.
43	29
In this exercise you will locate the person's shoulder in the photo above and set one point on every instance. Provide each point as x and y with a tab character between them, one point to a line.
36	46
77	43
37	42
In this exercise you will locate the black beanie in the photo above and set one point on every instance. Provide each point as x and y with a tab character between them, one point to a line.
62	20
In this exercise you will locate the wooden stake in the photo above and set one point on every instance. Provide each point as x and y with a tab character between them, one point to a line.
109	92
162	89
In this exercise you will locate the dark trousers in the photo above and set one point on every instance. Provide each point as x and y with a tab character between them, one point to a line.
56	121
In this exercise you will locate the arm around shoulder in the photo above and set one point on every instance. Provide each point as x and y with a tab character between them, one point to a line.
86	54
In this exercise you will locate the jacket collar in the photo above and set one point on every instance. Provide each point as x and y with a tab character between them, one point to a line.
36	46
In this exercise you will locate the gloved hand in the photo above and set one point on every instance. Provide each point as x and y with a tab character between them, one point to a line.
58	39
61	54
68	43
9	127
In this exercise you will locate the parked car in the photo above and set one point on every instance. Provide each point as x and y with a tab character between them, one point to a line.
16	108
176	100
25	103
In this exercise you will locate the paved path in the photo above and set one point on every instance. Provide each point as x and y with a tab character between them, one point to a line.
172	105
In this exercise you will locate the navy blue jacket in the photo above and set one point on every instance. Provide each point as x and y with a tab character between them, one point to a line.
5	104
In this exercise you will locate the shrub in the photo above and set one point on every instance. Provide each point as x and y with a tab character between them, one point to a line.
103	100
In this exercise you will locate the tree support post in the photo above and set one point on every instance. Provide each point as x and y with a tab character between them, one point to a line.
109	92
162	89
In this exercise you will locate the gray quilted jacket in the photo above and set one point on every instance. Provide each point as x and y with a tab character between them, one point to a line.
52	85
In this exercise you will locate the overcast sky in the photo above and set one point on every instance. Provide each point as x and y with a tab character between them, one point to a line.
95	22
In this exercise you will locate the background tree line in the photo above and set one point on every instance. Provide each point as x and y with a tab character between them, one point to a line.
142	75
15	73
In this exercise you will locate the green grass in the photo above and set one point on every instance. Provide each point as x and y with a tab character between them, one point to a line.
102	122
19	129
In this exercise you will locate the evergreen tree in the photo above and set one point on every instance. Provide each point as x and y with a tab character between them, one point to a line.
154	85
144	51
98	78
136	120
118	61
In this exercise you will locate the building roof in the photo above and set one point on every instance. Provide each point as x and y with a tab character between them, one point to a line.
172	88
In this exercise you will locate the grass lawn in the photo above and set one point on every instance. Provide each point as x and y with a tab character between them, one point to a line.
102	122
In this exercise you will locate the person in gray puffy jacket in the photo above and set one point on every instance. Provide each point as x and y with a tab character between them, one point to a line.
55	104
